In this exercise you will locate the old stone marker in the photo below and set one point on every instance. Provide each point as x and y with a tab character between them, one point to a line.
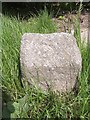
50	60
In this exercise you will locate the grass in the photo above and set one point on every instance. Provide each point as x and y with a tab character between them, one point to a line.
26	102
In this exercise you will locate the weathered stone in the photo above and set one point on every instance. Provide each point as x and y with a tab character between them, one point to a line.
50	60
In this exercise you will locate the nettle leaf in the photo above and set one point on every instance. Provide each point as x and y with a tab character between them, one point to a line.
17	110
20	108
22	101
23	104
11	110
10	107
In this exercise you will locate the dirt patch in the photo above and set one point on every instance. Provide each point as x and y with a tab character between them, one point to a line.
61	24
66	25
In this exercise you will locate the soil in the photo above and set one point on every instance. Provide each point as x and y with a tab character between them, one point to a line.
66	24
84	21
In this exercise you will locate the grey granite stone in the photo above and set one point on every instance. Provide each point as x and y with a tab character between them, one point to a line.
50	60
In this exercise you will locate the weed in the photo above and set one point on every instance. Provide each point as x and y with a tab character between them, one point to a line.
19	102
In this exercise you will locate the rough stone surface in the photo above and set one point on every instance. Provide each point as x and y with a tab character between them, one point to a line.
50	60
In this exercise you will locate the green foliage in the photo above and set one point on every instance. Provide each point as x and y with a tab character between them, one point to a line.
26	102
61	17
43	23
12	30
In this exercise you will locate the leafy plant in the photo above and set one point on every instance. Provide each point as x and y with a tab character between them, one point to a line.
26	102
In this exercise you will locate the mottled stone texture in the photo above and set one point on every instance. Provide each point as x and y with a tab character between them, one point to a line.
50	60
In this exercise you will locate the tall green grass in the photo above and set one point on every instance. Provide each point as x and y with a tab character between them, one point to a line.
25	102
13	29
